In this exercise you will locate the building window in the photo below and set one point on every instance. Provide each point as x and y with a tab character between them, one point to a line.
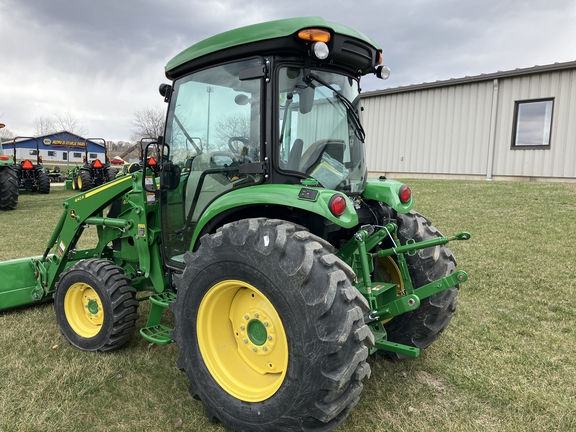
33	152
93	155
77	155
64	156
532	124
51	153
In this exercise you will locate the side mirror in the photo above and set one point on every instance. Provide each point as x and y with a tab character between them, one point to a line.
165	91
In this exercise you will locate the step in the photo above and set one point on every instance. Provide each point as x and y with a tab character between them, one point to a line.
163	299
158	334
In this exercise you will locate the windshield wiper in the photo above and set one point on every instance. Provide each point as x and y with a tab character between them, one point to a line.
358	129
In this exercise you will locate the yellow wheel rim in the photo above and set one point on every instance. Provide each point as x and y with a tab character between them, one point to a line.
242	341
79	181
389	272
83	310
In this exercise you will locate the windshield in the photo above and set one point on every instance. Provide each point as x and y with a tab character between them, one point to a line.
320	130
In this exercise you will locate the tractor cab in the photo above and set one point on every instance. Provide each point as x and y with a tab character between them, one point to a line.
274	122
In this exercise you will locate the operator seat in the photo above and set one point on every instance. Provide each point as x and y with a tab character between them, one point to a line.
295	155
313	155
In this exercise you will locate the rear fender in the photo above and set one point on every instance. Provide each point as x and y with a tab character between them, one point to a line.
388	192
310	199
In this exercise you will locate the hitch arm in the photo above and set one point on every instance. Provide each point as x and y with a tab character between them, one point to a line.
411	247
410	302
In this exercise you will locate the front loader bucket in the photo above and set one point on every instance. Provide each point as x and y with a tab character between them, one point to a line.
19	283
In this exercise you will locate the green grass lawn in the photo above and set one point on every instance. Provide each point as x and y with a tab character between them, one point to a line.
507	362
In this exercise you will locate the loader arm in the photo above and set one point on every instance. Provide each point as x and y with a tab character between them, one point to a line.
76	217
129	235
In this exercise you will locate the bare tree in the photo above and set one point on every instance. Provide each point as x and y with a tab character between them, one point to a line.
147	123
59	122
6	134
232	126
71	124
44	126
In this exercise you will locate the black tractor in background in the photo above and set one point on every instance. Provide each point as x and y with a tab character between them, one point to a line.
93	173
31	176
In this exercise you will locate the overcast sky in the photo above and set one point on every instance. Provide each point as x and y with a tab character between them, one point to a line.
103	60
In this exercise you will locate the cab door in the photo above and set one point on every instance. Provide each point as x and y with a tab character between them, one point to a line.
214	133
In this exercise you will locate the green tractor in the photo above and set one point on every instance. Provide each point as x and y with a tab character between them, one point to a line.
254	222
31	176
8	181
54	174
93	172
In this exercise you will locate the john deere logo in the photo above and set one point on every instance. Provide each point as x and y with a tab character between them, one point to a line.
47	141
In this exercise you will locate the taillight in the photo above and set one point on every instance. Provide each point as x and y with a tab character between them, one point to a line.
27	164
337	205
405	194
97	164
4	157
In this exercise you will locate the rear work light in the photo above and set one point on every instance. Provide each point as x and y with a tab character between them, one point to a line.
320	50
337	205
27	165
404	194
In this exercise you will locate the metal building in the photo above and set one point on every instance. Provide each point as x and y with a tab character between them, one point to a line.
518	124
56	149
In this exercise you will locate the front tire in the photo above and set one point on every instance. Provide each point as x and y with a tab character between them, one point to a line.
421	327
270	329
95	305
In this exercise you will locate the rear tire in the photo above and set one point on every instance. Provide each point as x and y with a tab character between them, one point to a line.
110	174
43	182
421	327
85	182
95	305
8	189
270	330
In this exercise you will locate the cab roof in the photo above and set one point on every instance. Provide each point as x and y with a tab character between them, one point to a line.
257	33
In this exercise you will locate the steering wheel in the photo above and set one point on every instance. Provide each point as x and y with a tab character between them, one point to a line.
234	147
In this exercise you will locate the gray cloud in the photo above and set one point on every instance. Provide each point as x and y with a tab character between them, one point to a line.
103	60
